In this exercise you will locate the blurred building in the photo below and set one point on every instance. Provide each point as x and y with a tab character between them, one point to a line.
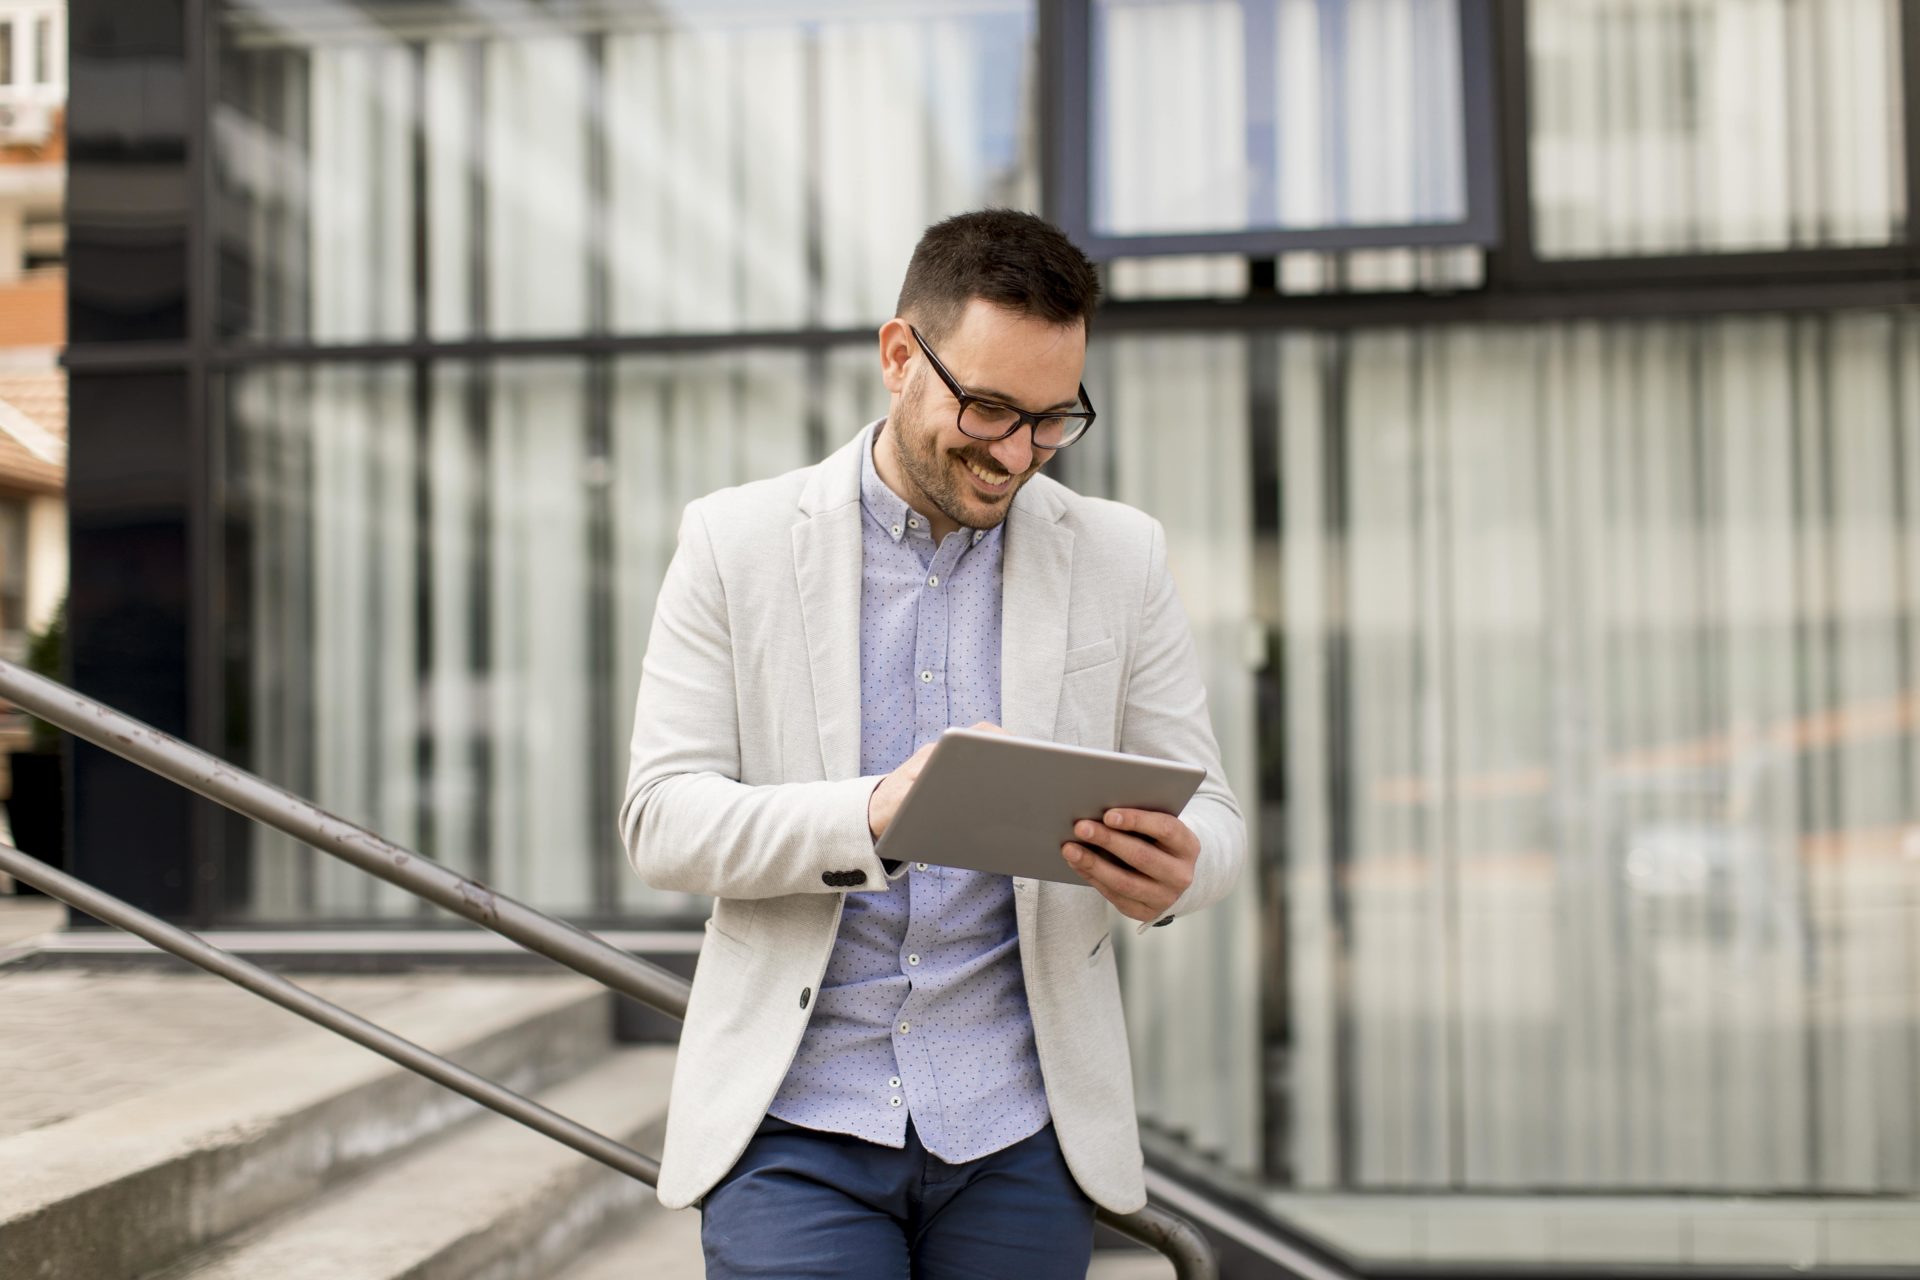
1531	393
33	321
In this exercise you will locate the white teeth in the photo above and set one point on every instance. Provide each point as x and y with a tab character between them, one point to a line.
991	477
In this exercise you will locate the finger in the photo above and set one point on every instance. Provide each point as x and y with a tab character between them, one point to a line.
1128	906
1116	880
1164	829
988	726
1144	856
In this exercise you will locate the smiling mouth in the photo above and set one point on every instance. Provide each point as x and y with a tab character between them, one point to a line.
991	478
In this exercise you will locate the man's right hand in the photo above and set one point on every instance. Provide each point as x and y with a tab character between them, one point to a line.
885	800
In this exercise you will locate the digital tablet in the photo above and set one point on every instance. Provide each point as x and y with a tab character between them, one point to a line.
989	802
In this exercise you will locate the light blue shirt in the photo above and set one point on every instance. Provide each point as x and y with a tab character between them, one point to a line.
923	1009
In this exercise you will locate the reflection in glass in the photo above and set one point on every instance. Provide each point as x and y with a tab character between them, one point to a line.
1581	752
1601	814
441	585
1174	441
1231	115
636	168
1672	126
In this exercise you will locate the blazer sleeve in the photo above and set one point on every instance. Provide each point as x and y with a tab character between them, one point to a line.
688	823
1165	715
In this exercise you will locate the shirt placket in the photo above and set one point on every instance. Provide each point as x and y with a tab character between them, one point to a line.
932	710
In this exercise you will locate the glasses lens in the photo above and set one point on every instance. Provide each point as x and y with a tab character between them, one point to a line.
1051	433
987	420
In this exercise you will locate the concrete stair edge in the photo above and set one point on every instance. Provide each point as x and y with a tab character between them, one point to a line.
132	1186
491	1200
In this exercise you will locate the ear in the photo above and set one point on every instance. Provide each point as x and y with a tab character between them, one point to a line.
897	349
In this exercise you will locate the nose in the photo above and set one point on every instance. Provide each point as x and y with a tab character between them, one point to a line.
1015	453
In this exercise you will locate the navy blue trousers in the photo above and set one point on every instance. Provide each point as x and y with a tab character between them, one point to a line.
802	1204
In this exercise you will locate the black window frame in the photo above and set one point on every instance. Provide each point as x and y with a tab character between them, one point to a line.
1515	264
1067	117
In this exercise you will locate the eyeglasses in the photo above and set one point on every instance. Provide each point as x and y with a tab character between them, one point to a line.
985	419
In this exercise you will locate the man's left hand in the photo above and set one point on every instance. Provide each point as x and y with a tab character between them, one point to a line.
1148	863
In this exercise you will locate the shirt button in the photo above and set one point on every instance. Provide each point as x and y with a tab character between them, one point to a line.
919	866
904	1028
893	1102
894	1083
896	531
913	524
933	580
913	959
926	677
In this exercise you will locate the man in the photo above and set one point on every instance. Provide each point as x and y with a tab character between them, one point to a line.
914	1069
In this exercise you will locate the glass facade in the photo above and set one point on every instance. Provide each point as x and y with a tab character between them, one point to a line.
1574	669
1563	643
636	169
1670	126
1239	115
443	583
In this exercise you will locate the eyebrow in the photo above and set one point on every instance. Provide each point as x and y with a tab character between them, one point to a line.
1000	397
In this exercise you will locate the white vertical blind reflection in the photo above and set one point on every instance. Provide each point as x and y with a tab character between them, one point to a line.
1603	810
684	427
1668	126
544	832
1224	115
1173	440
361	127
733	156
534	140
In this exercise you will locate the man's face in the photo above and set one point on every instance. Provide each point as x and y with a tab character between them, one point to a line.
1002	355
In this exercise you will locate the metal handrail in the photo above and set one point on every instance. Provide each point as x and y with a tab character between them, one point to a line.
271	986
245	793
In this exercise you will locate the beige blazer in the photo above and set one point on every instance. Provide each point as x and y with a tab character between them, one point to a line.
745	785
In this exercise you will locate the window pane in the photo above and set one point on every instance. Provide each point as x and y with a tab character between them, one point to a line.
441	584
649	169
6	51
1232	115
1570	678
43	50
1674	126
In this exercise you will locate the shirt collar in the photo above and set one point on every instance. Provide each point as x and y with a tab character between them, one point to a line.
888	509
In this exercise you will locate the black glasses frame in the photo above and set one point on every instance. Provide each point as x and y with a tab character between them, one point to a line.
1083	417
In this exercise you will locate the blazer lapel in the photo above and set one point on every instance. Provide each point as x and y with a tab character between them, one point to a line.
826	563
1038	568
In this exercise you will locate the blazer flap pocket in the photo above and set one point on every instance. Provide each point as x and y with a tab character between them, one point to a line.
1089	655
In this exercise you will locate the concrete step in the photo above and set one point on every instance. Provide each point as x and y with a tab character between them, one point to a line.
130	1186
490	1201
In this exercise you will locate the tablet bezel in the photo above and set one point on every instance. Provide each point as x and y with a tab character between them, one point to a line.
992	802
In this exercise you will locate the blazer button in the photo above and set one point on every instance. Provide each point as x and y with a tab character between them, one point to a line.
806	994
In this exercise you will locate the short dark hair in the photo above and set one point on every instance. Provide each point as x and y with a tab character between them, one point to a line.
1011	259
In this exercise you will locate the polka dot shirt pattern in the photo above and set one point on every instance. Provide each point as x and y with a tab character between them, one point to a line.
923	1009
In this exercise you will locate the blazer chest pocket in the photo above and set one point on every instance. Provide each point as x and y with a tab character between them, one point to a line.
1089	655
1089	690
